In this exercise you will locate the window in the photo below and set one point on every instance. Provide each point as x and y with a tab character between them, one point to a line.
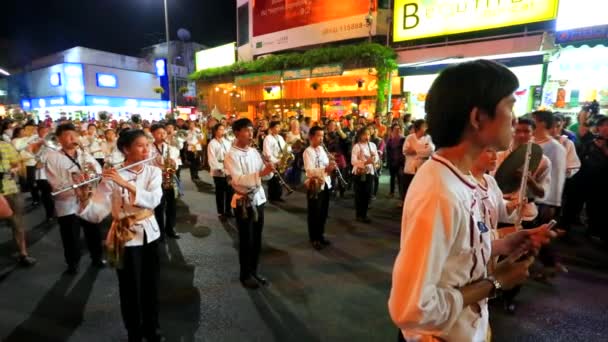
107	81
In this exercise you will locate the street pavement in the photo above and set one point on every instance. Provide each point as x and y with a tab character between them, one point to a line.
337	294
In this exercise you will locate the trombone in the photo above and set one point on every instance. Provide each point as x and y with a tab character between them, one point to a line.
97	178
274	169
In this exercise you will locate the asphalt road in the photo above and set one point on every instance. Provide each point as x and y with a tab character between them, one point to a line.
338	294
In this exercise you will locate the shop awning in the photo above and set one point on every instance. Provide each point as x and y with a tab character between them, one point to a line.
511	52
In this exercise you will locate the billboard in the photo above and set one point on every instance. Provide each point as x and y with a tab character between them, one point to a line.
215	57
285	24
574	14
415	19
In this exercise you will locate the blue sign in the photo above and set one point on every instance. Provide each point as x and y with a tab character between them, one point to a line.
161	67
55	79
582	34
44	102
109	101
107	81
26	104
74	83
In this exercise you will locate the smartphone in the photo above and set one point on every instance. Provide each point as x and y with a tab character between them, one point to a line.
551	224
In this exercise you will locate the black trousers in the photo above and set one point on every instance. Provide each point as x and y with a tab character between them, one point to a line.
407	180
376	183
30	172
194	164
138	288
318	209
274	189
250	239
574	200
396	179
69	227
46	197
166	212
223	195
363	190
596	210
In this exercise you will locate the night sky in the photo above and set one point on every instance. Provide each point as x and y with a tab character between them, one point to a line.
31	29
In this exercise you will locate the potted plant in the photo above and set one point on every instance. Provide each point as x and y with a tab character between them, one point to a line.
182	90
159	90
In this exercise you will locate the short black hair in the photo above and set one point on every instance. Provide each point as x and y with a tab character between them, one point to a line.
91	124
395	125
274	123
240	124
360	133
458	90
156	127
64	128
558	117
127	137
417	124
526	121
313	130
215	128
16	131
601	119
545	117
307	119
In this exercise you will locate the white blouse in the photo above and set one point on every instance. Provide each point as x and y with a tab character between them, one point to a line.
147	181
424	148
216	154
360	153
159	152
315	162
244	167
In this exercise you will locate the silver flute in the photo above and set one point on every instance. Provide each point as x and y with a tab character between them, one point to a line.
95	179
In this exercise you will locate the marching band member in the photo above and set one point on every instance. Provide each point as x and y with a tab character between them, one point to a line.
363	159
274	147
92	143
60	167
166	211
417	148
247	169
41	151
216	153
444	296
9	164
130	196
175	142
318	170
24	146
112	156
573	163
195	147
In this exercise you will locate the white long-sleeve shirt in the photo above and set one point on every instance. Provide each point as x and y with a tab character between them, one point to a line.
360	153
111	153
244	167
216	154
424	147
159	152
444	247
42	157
92	145
573	163
59	169
493	204
21	145
110	198
274	145
193	139
557	154
315	162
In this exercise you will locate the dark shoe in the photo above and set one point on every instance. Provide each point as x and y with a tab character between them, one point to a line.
325	242
26	261
317	245
172	234
99	263
72	270
250	283
261	279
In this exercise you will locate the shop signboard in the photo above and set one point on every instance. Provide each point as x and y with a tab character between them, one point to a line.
296	74
44	102
416	19
286	24
110	101
257	78
582	34
327	70
215	57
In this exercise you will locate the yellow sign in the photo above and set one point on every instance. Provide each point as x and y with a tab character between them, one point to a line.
415	19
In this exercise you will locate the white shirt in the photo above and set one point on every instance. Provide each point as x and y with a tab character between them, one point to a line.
274	145
159	152
59	169
244	167
573	163
557	154
360	153
110	198
93	145
41	157
21	145
443	248
315	162
111	154
216	153
493	205
193	140
424	147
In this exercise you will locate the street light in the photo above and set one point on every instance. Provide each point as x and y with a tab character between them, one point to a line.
4	72
169	71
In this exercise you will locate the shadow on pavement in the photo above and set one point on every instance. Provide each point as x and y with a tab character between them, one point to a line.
59	313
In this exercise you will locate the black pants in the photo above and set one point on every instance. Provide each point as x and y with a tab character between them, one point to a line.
31	183
250	239
376	183
194	164
363	190
396	180
317	215
46	197
574	199
165	212
138	287
69	227
407	180
274	189
223	195
596	210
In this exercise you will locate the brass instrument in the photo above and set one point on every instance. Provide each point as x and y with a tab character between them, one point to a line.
285	159
332	158
523	187
266	159
169	169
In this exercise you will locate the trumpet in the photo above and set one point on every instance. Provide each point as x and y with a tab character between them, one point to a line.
97	178
332	158
266	159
